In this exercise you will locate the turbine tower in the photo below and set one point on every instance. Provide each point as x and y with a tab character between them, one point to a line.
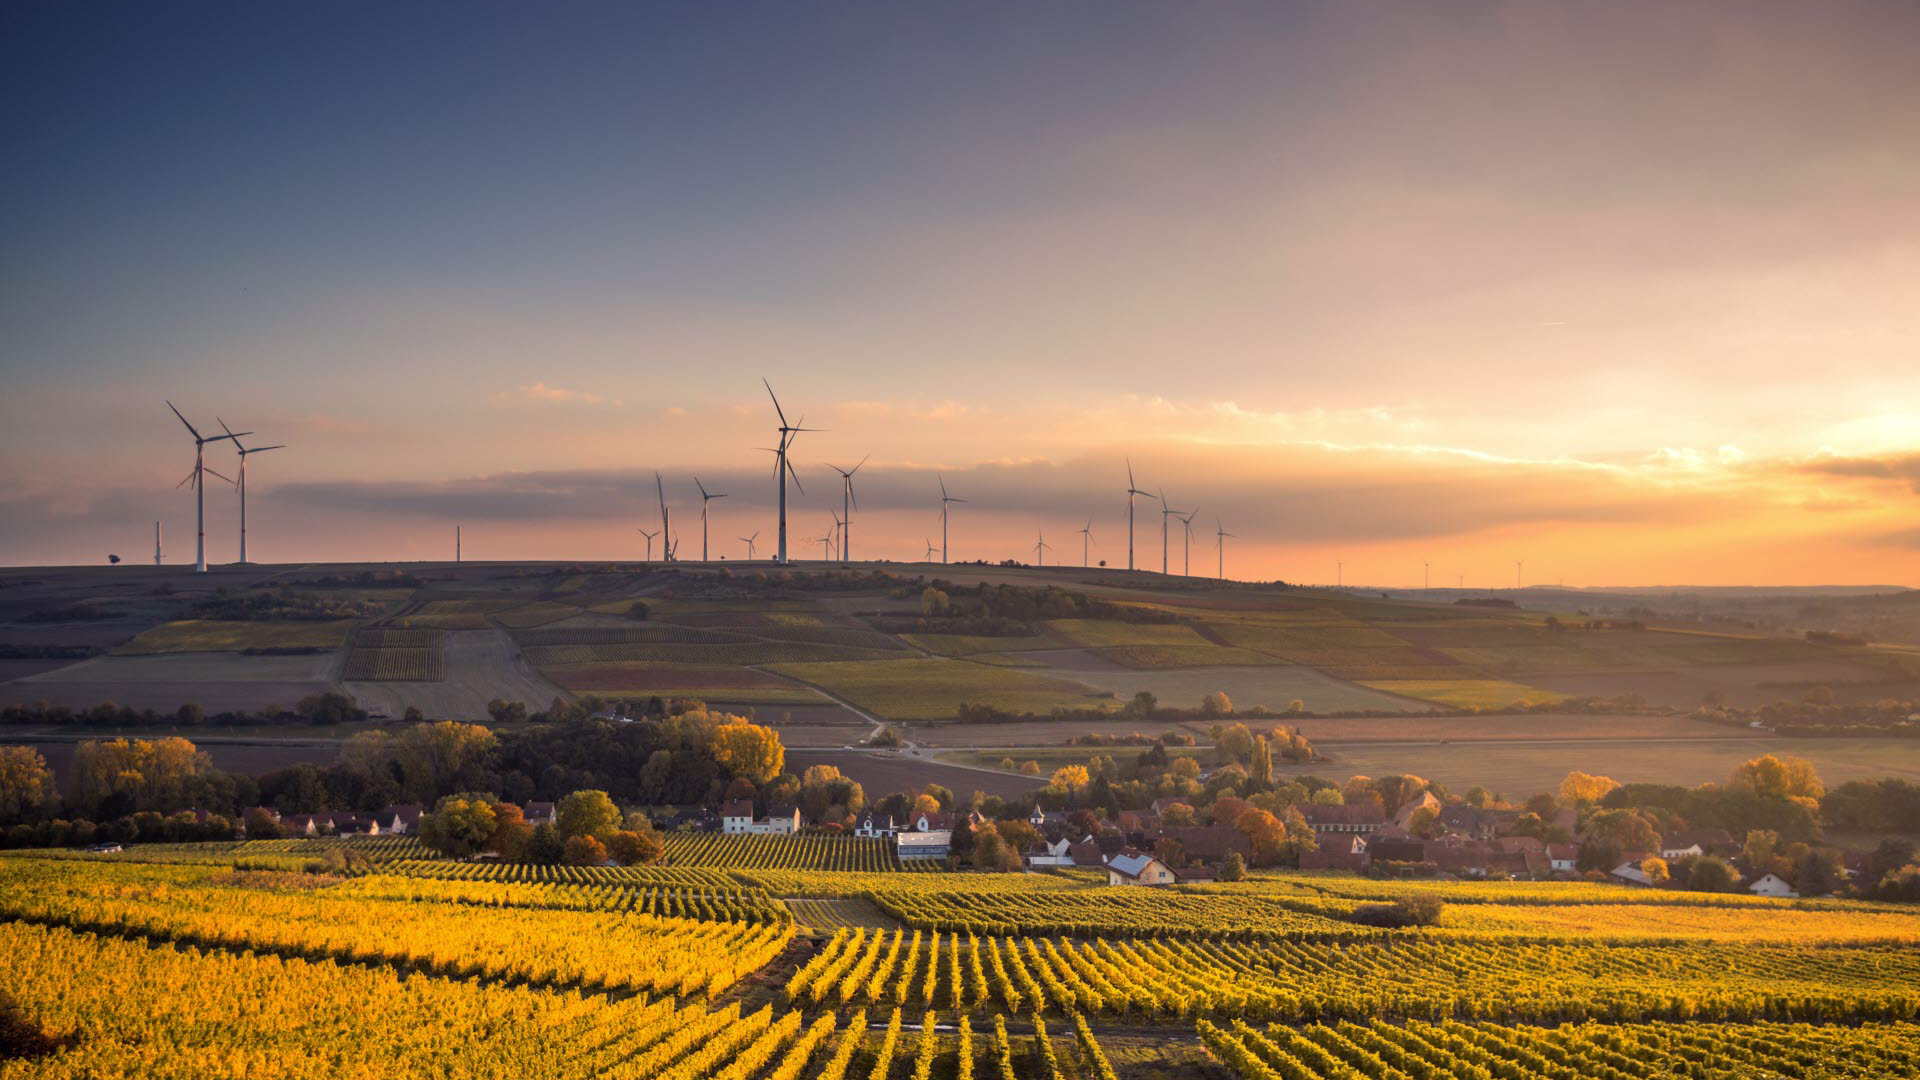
649	536
666	526
1086	542
1165	513
848	504
826	546
1221	531
839	532
944	500
1040	549
158	558
782	468
705	498
1131	492
244	451
1186	545
200	489
748	540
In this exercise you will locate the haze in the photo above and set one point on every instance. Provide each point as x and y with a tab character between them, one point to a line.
1629	291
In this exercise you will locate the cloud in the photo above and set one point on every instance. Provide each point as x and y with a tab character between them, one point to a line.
1905	468
553	395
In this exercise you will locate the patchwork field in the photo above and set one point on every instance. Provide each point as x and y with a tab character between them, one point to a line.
924	688
208	635
1465	693
1271	686
480	665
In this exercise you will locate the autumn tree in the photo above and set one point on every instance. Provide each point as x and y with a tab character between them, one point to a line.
459	825
1656	869
1070	778
1711	873
1397	791
151	773
748	749
1267	834
636	847
26	784
512	836
1777	777
1216	704
587	813
1585	788
1177	815
1235	868
1234	742
584	851
1260	768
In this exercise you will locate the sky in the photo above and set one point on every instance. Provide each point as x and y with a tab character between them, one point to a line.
1626	292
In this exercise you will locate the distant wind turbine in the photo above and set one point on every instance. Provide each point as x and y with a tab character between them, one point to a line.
1132	490
158	556
200	488
929	555
748	540
944	500
1040	549
839	532
1518	566
1186	545
1165	513
1221	532
705	498
848	504
666	526
782	467
1086	542
244	451
826	547
649	536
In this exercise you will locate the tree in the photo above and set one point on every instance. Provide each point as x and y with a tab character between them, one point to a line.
26	784
1030	767
1581	787
1260	769
261	825
1759	848
1071	778
584	851
1235	868
1397	791
925	804
1234	742
151	773
1712	874
1656	869
448	756
459	825
1778	777
587	813
992	852
1216	704
635	847
1267	835
1425	822
512	836
1177	815
934	602
545	847
507	712
749	750
1328	796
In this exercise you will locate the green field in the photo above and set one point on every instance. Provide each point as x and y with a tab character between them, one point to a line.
209	635
933	689
1097	633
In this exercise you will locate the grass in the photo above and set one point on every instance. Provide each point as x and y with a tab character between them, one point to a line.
1464	693
1265	637
1154	657
934	689
212	635
973	644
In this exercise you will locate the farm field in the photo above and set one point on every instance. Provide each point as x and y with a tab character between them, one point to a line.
931	689
1465	693
480	665
209	635
878	771
750	958
1273	686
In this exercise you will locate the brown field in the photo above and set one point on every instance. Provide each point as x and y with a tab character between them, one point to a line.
1746	685
1273	686
480	665
643	676
880	772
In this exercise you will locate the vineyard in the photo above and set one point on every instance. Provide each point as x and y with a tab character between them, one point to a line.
734	654
397	655
789	957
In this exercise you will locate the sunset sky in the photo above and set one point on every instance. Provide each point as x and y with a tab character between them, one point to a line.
1629	291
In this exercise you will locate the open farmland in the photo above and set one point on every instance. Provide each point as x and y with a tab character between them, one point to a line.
210	635
480	665
1273	686
1465	693
931	689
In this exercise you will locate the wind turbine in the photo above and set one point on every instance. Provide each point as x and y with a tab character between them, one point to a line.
782	468
649	536
1131	492
1186	546
929	555
200	489
244	451
705	498
944	500
666	527
748	540
1221	531
1040	549
1165	513
840	530
1086	542
826	547
848	504
1518	566
159	557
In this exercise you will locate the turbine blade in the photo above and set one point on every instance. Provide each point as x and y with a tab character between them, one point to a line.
776	401
228	479
191	473
863	461
796	476
264	449
183	419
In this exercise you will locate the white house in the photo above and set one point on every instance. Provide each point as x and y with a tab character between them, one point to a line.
1562	857
872	824
781	821
1770	885
736	817
1135	867
924	836
1051	854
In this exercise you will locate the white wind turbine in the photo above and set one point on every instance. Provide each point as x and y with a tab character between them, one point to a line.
1132	490
839	532
244	451
649	536
666	526
1086	542
1222	533
783	468
748	540
200	488
929	555
848	504
1186	545
944	500
826	546
1040	547
1165	513
705	498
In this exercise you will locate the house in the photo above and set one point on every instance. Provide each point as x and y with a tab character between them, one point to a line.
1337	851
1360	817
1769	885
400	819
1135	867
1087	853
1629	873
1210	843
1403	817
926	835
1390	849
872	824
1196	875
1038	817
689	819
1477	822
1054	853
1562	857
736	817
781	821
1687	842
540	813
